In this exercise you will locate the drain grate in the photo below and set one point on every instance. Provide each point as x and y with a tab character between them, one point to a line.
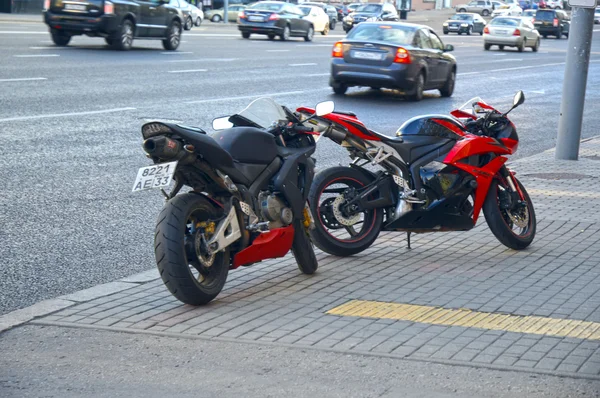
558	176
593	157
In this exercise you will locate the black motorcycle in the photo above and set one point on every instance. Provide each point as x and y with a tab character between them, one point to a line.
248	200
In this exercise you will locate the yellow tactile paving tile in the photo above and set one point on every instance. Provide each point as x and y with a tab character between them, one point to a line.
470	319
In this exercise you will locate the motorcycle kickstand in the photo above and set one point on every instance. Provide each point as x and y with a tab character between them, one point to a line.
408	239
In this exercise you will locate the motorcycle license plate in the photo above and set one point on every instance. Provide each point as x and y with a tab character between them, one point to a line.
156	176
367	55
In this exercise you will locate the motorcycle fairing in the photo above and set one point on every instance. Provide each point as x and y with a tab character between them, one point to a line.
273	244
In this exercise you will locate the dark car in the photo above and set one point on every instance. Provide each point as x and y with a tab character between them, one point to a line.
329	10
275	18
342	11
464	23
370	13
402	56
118	21
552	23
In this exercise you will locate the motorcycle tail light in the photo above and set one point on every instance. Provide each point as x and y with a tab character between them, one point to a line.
517	32
402	56
273	17
338	51
241	15
109	8
46	4
555	22
486	30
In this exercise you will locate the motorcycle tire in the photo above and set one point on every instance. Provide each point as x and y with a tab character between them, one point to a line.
321	237
498	220
303	250
176	268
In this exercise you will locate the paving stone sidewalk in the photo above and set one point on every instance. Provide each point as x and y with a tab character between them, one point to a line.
272	303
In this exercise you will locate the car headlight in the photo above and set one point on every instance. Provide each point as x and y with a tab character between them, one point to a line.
445	24
348	19
464	25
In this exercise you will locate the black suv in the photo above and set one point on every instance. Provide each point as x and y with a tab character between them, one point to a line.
370	12
552	23
118	21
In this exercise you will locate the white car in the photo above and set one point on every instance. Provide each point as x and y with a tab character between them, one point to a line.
555	4
511	32
508	10
317	16
597	16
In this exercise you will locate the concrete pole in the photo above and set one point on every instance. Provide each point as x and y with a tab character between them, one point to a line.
573	94
225	6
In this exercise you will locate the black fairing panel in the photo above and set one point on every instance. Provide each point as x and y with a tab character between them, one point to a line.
295	177
248	144
250	172
413	147
426	126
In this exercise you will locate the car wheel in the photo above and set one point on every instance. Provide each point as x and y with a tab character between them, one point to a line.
309	34
521	46
445	32
188	24
332	25
536	47
545	36
487	46
246	35
198	21
481	32
459	33
462	10
485	13
109	41
285	35
173	36
469	30
216	18
448	88
61	39
501	48
558	35
340	89
271	37
417	94
124	38
325	30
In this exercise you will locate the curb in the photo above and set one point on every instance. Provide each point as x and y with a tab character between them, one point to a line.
47	307
313	348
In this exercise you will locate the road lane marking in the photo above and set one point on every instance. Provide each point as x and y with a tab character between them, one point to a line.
188	71
52	115
318	74
16	32
206	101
307	64
211	35
498	55
470	319
36	55
49	48
468	73
509	59
526	67
176	52
203	60
315	45
24	79
278	51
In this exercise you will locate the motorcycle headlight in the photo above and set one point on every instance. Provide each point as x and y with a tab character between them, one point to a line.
464	25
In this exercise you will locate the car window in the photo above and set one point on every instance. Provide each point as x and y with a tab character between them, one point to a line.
401	35
374	8
422	40
435	41
461	17
472	4
528	25
264	6
481	3
505	22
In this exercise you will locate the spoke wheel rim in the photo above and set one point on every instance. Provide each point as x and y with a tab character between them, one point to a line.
174	37
127	35
204	267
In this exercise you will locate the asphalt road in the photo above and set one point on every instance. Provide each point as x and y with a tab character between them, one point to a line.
71	145
65	362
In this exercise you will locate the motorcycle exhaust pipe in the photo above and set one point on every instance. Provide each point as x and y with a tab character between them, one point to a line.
166	148
335	135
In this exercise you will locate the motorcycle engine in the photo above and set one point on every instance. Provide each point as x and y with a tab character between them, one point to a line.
274	210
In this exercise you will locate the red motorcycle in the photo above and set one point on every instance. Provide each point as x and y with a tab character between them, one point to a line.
435	175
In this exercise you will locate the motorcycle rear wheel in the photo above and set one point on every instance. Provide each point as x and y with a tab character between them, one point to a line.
189	272
500	222
328	233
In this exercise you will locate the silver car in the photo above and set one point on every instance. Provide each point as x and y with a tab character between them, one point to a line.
511	32
483	7
597	16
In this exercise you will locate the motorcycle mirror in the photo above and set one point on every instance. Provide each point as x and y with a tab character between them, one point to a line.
519	99
324	108
222	123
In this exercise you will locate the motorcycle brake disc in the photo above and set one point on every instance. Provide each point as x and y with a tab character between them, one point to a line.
338	214
521	219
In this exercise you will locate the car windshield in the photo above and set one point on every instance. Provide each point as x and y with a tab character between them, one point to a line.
543	15
400	35
266	6
305	10
353	6
504	22
462	17
529	13
369	8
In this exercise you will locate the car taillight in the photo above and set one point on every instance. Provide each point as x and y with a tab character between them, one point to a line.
241	15
555	23
338	51
486	30
517	32
46	4
273	17
532	20
402	56
109	8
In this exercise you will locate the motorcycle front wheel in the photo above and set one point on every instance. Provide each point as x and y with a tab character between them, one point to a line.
514	228
338	231
191	273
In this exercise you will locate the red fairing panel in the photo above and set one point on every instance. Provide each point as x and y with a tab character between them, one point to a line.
272	244
475	145
354	126
510	144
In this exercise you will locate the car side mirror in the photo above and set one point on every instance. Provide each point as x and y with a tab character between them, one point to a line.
449	47
324	108
221	123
